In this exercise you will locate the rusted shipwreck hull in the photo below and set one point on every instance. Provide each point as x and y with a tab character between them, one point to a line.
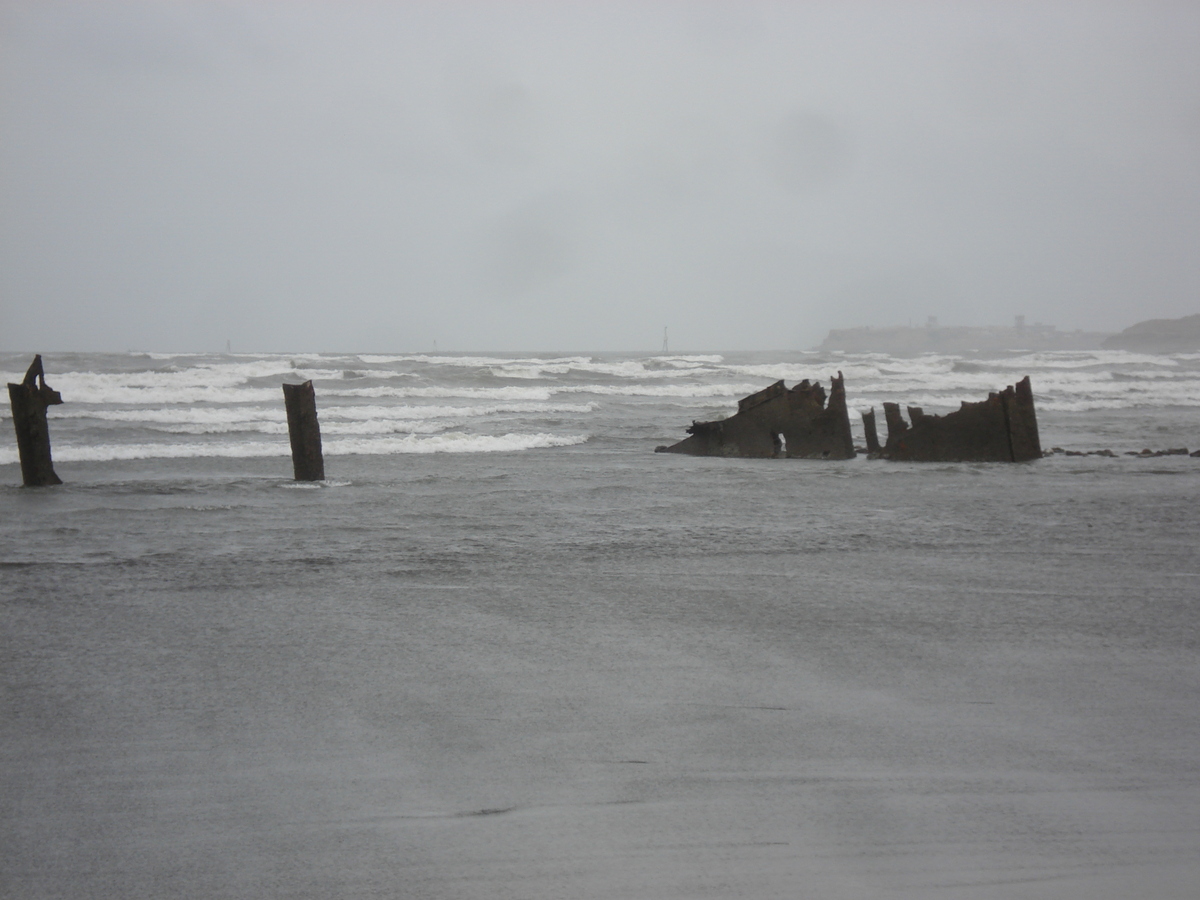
798	423
1002	428
778	422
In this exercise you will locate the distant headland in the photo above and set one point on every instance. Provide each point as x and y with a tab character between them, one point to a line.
1151	336
1158	336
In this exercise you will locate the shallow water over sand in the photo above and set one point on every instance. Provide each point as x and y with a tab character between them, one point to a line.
591	671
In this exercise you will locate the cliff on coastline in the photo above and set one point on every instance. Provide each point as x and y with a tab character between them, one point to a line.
1159	336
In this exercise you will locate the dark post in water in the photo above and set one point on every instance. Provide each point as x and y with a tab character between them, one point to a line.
304	431
869	431
29	400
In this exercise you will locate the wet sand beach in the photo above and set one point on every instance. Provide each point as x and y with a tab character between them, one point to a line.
596	674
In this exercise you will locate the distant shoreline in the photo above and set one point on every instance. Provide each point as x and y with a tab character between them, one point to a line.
1149	336
931	338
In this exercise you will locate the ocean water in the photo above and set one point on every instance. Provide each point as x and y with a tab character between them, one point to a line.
507	651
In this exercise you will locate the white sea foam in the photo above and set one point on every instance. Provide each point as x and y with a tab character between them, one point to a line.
1119	397
435	412
446	392
419	403
109	452
314	485
375	359
173	415
160	387
1062	359
115	394
201	383
455	442
789	372
389	426
106	390
1069	388
452	442
376	426
386	426
551	367
529	368
478	362
335	420
662	390
232	416
713	359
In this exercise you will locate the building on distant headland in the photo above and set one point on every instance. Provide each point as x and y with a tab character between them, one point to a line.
1159	336
933	338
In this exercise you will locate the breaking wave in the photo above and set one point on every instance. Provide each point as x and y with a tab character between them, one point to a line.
155	405
456	442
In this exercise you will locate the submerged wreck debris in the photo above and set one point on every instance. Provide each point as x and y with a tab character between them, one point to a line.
1055	451
1002	428
778	422
1147	453
304	431
29	400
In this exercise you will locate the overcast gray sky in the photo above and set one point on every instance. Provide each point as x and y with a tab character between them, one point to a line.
577	175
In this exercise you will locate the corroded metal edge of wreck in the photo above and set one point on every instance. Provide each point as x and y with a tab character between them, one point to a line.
794	423
1002	428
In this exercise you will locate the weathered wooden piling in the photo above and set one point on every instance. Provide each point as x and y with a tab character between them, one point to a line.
304	431
29	400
